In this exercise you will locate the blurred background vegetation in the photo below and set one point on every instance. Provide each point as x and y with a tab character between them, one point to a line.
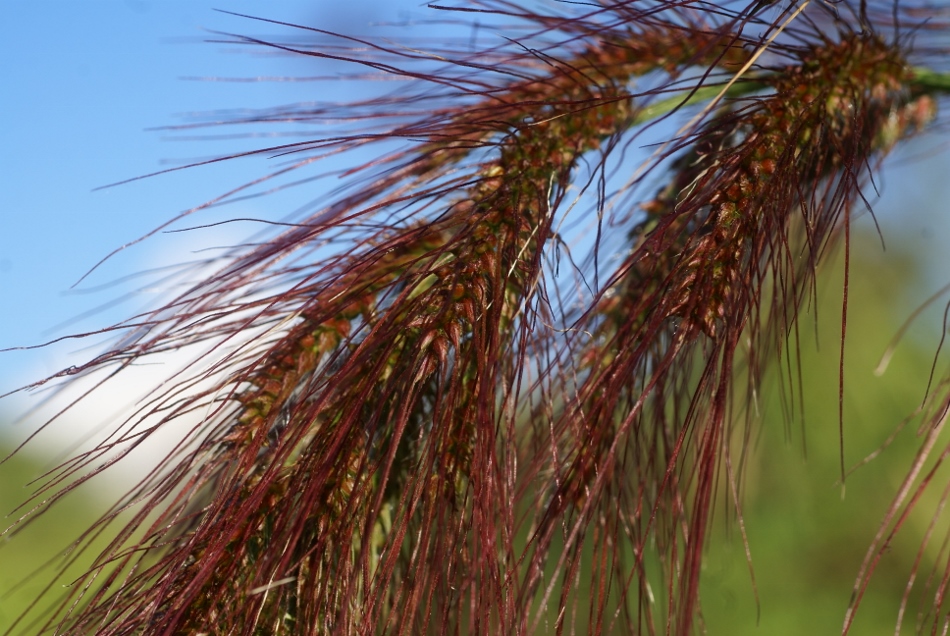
807	535
30	556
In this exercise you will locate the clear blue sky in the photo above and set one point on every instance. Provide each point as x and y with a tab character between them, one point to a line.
82	83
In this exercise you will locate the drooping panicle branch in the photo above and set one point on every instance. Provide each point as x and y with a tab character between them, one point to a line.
713	244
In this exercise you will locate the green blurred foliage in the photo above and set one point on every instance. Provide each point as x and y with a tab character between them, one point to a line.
807	535
31	554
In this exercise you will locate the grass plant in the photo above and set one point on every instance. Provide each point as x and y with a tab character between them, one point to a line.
495	385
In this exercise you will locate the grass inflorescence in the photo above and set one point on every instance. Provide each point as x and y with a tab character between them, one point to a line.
417	432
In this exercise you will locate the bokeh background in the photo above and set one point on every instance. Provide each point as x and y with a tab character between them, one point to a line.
87	87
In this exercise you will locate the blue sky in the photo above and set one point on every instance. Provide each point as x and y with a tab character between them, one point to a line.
83	84
85	81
